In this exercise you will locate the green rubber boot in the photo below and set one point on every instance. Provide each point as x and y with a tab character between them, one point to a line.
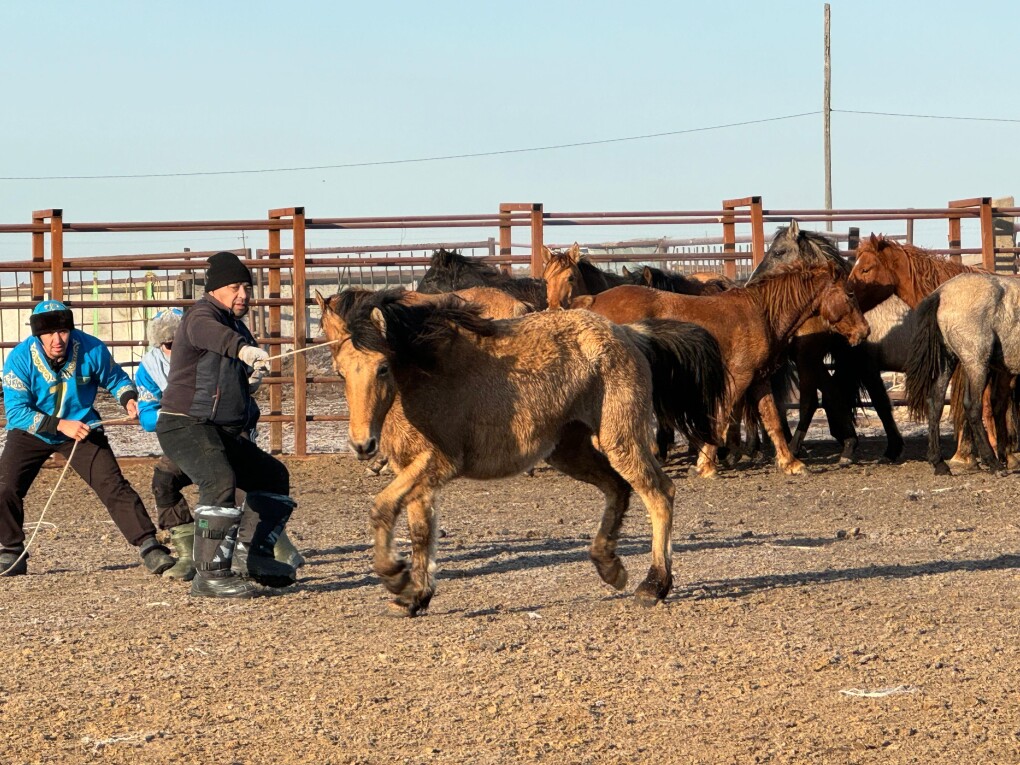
182	538
285	551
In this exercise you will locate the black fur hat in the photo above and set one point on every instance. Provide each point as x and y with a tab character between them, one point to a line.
50	316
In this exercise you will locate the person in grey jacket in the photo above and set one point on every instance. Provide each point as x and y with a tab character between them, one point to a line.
205	410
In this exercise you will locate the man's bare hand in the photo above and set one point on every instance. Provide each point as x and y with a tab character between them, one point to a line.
74	429
132	409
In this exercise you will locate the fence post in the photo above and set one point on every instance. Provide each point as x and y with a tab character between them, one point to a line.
504	229
38	254
757	232
853	241
955	236
987	235
273	333
1005	238
299	296
537	260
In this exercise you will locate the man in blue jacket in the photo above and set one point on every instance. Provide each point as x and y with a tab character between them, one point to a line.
172	509
50	382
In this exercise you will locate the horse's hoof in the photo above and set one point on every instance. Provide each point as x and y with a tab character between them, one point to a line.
654	589
397	580
794	468
942	469
613	573
846	461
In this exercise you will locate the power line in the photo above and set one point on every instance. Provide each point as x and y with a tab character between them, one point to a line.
410	161
927	116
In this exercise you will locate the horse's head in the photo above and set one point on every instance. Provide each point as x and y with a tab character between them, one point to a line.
874	277
839	308
361	356
563	280
441	275
791	244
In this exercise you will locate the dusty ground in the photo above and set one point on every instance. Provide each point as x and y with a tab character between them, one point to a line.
793	597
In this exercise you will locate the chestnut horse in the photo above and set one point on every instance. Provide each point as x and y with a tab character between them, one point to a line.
972	320
450	271
444	393
853	368
885	267
753	326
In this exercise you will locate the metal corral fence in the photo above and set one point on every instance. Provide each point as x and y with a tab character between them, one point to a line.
114	296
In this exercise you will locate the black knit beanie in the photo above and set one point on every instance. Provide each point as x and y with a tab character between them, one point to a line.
225	268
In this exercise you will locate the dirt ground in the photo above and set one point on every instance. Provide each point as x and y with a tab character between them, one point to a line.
858	615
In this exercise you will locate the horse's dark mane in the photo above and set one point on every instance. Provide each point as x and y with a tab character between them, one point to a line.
812	247
776	291
415	334
449	271
596	279
670	281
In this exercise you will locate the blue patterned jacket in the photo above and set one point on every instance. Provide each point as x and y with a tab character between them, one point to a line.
37	397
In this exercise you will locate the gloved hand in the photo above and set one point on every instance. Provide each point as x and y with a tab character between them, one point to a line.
254	356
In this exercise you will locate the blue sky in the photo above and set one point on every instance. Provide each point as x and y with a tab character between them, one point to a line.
109	88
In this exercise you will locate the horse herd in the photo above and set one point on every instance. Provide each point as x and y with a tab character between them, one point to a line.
482	375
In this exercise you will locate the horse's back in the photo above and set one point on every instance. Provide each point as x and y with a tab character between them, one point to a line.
977	309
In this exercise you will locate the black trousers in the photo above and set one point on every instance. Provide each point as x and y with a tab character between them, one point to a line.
219	460
22	459
167	481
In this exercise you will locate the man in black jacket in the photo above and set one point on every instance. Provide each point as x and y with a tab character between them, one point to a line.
206	407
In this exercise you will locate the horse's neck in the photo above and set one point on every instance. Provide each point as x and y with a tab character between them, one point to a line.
783	316
921	281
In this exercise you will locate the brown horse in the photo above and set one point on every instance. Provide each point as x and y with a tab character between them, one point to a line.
886	267
753	326
568	274
444	393
697	283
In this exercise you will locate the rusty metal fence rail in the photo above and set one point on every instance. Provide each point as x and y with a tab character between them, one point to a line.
114	296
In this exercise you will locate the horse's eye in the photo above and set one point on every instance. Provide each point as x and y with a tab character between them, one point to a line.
384	369
570	280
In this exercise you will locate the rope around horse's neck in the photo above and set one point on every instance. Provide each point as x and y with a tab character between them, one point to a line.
39	523
306	348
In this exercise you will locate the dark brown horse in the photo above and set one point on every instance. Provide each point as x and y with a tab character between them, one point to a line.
444	393
699	283
753	326
450	271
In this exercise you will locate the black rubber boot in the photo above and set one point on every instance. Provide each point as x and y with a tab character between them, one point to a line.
13	562
155	557
261	524
215	535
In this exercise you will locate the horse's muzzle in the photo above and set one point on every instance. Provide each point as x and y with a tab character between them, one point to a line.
364	450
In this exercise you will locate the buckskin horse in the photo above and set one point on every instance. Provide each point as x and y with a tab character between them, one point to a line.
753	325
444	393
568	274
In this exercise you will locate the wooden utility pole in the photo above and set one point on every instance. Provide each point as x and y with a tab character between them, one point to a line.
826	110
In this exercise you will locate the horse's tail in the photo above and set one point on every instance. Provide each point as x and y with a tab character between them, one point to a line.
688	374
928	359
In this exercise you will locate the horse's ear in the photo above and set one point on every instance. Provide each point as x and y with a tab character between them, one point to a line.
647	276
546	255
626	271
379	320
574	253
793	231
874	240
321	301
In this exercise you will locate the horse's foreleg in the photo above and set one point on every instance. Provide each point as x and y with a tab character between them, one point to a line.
872	379
390	567
762	395
421	521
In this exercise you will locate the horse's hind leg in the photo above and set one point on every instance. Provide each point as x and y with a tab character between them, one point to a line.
633	460
973	400
576	457
935	405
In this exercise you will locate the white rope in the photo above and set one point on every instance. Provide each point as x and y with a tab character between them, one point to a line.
39	523
301	350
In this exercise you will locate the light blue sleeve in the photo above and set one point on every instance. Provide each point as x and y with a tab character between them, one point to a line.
19	399
149	398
